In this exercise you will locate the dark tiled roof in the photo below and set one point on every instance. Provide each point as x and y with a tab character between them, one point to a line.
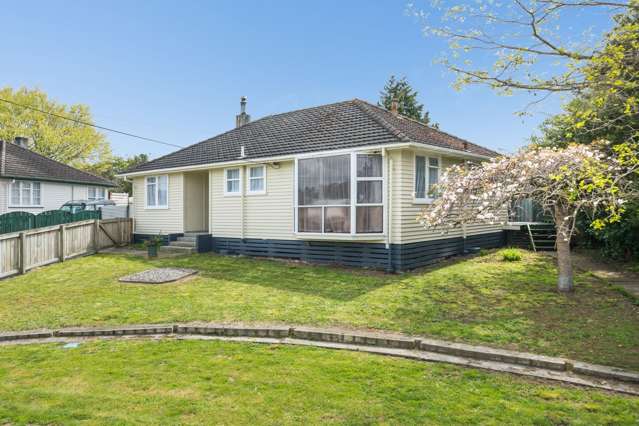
348	124
23	163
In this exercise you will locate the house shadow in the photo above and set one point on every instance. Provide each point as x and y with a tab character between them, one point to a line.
332	282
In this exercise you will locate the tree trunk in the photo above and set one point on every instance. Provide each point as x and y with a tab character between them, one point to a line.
564	284
564	262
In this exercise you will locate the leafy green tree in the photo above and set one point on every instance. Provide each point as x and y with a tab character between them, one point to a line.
406	97
115	165
66	141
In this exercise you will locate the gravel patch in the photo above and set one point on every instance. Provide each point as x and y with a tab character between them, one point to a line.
158	275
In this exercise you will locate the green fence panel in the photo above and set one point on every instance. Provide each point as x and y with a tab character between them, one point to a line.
22	221
52	217
87	215
16	221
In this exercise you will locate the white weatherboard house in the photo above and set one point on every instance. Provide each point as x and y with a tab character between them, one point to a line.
33	183
340	183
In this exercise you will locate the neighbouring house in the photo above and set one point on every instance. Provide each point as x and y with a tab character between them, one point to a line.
340	183
34	183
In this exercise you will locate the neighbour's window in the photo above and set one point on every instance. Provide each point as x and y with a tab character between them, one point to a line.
369	210
426	177
157	191
232	184
324	200
324	194
257	180
25	193
96	193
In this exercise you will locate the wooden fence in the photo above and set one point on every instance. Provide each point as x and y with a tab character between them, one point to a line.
26	250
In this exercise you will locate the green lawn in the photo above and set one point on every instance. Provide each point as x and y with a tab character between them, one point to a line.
213	382
482	300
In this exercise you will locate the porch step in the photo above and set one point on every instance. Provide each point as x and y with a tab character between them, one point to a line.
178	249
189	239
182	244
194	234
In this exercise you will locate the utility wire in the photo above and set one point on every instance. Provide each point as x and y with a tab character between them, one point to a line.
89	124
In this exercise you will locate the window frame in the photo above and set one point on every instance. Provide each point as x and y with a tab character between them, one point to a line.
96	189
21	204
249	178
426	199
240	190
353	180
157	206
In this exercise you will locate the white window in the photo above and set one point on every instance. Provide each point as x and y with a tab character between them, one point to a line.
257	180
157	192
370	189
325	204
232	181
25	193
96	193
426	177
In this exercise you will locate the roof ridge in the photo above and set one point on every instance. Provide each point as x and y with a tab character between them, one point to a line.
249	124
426	125
30	151
363	106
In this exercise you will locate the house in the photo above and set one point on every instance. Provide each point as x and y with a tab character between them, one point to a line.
339	183
34	183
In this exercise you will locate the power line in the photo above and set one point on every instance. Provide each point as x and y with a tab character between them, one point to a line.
89	124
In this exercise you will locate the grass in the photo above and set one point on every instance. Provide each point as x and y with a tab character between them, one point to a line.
510	255
213	382
480	300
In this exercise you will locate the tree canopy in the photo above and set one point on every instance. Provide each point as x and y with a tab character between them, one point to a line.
563	181
66	141
406	97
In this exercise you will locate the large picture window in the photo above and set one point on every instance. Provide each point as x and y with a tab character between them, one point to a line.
157	191
25	193
426	177
325	204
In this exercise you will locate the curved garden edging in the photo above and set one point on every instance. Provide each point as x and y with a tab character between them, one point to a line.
425	349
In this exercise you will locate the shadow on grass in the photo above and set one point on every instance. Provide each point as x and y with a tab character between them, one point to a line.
330	282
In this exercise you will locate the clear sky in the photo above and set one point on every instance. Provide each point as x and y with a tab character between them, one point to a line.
175	70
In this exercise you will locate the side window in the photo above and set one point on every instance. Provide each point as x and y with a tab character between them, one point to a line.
257	180
232	182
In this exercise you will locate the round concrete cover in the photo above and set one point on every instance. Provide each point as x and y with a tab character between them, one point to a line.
158	275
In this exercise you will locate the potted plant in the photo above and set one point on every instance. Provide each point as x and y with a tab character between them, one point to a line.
152	245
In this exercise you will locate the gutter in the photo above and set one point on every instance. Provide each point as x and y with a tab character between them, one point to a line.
290	157
3	157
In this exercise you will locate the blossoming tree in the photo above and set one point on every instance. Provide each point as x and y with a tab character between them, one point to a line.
564	182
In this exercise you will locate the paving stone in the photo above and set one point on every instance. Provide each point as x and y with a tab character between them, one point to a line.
22	335
605	372
492	354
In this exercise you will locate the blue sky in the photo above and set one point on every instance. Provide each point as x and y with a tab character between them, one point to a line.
175	70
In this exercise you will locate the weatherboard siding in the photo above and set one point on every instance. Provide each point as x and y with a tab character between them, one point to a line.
406	227
159	221
266	216
52	194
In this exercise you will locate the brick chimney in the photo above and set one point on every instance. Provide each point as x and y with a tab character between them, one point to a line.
22	142
242	118
394	106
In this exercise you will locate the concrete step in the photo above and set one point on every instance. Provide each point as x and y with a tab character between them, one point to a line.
182	244
191	239
178	249
195	233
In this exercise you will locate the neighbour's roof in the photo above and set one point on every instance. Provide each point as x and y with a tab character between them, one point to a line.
22	163
348	124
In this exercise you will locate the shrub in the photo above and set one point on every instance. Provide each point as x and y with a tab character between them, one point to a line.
510	255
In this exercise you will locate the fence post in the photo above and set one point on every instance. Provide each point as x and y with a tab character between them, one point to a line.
62	242
96	235
23	252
